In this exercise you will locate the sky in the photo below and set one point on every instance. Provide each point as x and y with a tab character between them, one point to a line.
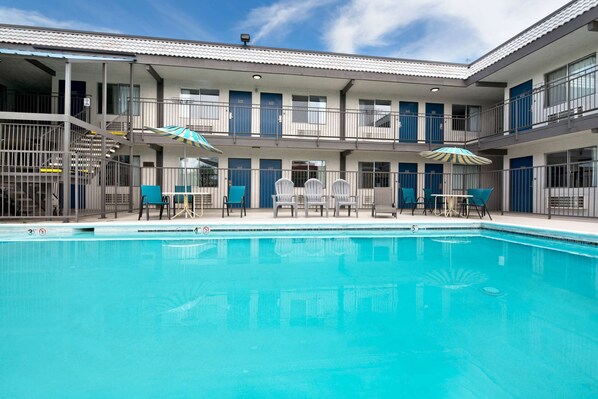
435	30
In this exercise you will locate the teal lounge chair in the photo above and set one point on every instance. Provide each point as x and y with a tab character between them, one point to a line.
152	195
478	201
236	196
410	201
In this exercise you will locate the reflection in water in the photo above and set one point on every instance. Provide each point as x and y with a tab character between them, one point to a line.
298	310
186	249
453	279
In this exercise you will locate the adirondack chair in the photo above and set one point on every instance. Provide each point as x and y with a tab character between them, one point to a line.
285	196
152	195
314	196
341	192
383	201
236	196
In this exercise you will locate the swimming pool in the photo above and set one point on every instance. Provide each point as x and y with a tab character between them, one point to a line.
463	313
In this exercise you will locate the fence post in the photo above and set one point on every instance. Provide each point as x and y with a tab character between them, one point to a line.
549	184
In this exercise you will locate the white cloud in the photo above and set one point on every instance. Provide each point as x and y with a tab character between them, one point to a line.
16	16
279	18
450	30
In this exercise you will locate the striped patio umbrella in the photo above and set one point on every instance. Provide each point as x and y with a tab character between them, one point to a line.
186	136
454	155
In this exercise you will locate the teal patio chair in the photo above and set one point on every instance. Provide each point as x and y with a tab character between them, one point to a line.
410	201
236	196
428	199
152	195
478	201
180	199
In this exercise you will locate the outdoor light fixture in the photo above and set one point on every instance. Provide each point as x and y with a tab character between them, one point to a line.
434	89
245	38
257	77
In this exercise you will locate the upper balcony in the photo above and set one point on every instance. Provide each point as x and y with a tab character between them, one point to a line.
561	106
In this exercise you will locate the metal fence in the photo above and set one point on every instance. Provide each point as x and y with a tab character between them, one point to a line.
31	190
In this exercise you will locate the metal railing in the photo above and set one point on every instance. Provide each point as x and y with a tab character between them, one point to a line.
303	123
29	189
549	103
36	103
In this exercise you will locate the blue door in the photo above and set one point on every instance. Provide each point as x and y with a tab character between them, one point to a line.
433	177
521	187
239	122
520	107
434	123
408	119
239	174
407	179
270	171
270	114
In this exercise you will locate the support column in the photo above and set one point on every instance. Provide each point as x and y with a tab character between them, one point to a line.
130	134
66	154
104	150
343	162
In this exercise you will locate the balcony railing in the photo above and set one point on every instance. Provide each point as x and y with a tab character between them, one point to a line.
546	105
303	123
562	100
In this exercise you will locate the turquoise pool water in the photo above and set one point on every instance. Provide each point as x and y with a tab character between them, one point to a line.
455	314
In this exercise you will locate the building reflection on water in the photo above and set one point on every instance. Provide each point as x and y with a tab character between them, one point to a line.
287	283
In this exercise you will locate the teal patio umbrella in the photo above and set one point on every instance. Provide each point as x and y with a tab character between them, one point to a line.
186	136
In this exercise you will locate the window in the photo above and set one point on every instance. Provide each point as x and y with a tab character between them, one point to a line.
374	174
117	102
374	113
301	171
576	80
309	109
118	171
572	168
465	176
200	172
467	117
200	103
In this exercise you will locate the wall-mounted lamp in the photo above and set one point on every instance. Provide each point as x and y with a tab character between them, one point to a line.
257	77
245	38
434	89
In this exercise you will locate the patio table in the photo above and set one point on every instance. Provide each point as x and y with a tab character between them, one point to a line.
186	208
450	202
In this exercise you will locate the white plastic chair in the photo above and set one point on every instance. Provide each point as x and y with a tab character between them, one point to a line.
341	191
285	196
314	196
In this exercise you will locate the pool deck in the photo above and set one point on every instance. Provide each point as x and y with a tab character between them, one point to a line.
569	228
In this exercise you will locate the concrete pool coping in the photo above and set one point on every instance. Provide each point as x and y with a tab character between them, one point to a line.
564	229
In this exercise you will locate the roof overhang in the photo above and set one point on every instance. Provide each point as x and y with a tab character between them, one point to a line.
70	57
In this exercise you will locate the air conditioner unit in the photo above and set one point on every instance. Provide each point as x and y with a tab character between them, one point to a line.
201	128
367	199
207	200
559	116
308	132
117	198
576	202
